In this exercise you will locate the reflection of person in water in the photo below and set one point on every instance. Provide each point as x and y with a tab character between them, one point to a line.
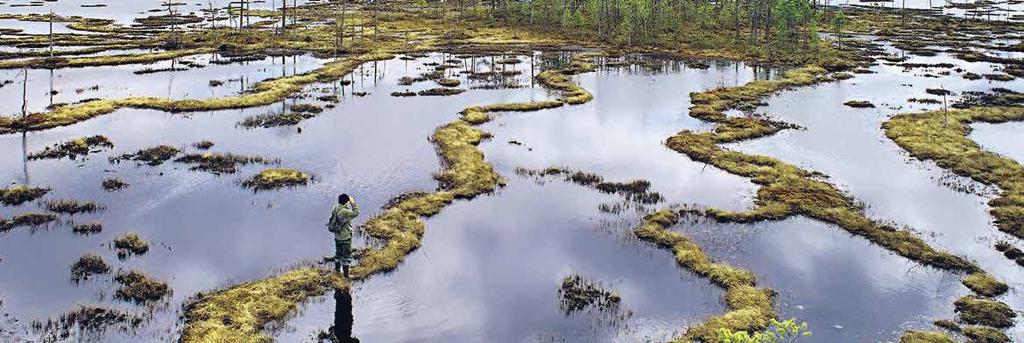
342	328
341	225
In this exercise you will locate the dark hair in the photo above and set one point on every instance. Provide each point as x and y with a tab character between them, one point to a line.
343	199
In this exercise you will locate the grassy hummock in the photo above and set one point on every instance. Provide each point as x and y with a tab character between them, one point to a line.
984	284
140	288
859	104
87	266
984	334
153	156
750	308
85	319
130	244
73	149
276	178
925	337
577	294
72	207
20	194
114	184
980	311
32	219
275	119
441	92
87	228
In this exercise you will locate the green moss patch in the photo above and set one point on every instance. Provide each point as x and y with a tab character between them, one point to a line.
73	149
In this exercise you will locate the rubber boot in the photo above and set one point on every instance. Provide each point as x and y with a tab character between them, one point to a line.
345	271
337	266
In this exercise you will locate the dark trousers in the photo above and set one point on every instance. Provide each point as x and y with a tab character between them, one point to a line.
343	251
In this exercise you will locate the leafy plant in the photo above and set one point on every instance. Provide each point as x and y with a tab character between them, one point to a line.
785	331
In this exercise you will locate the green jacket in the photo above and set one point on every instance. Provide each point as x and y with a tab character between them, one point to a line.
341	220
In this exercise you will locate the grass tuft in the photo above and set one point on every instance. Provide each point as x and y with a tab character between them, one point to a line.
140	288
73	149
276	178
87	266
130	244
21	194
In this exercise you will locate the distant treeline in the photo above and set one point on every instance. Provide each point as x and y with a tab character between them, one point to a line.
785	24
